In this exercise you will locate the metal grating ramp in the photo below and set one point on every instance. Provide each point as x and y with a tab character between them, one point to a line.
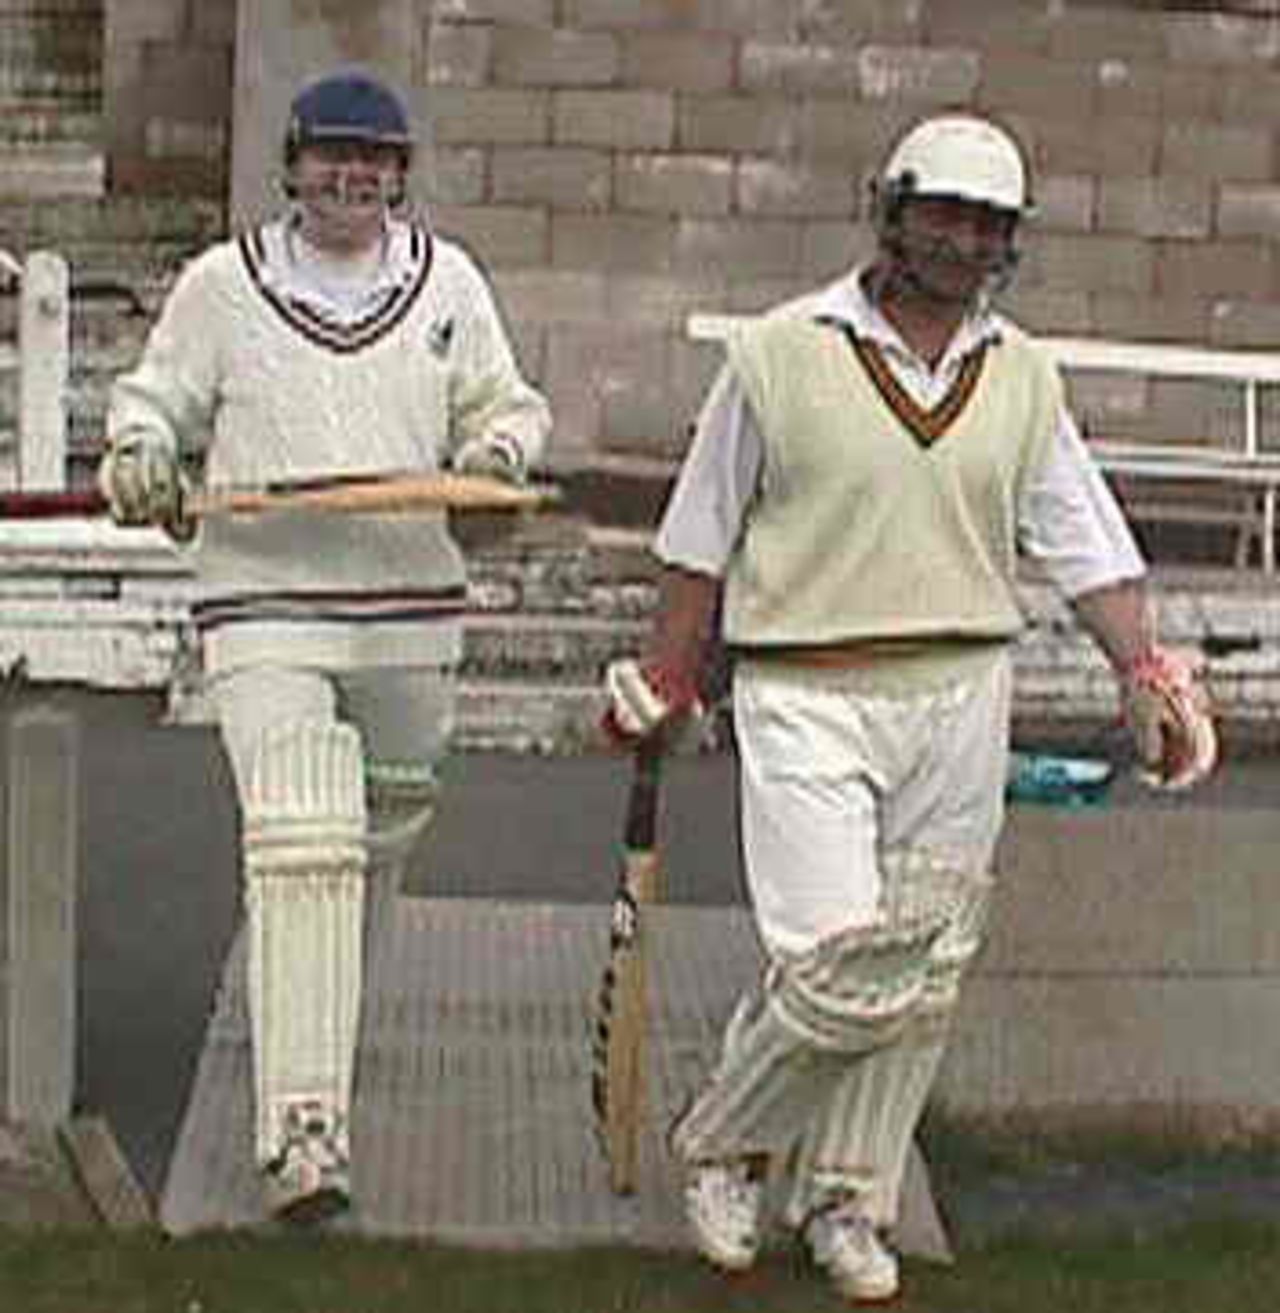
472	1118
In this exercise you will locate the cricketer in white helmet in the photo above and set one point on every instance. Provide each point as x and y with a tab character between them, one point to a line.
341	338
861	476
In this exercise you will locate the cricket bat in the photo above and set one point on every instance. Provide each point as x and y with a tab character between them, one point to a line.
383	495
620	1039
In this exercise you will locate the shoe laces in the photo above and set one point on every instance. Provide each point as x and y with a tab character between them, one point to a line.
730	1190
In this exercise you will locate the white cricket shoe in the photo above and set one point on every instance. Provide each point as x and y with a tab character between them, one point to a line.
722	1206
844	1243
309	1180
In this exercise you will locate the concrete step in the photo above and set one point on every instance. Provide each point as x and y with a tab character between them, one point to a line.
51	171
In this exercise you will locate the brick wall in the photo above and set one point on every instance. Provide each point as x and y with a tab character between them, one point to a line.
619	163
167	95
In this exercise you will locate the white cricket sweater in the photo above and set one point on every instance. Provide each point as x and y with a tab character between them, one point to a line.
251	366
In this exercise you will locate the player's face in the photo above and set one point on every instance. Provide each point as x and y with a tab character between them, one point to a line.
952	249
344	188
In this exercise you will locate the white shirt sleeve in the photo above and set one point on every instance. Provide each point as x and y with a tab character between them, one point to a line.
1070	523
169	397
704	517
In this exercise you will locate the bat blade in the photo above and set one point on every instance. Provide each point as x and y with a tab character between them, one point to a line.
404	493
621	1036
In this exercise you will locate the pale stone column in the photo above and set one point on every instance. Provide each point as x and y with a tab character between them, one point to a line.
281	44
39	796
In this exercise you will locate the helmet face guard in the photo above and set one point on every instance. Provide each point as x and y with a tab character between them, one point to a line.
353	111
972	164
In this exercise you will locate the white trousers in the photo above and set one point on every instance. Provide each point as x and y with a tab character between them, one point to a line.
842	790
832	778
309	751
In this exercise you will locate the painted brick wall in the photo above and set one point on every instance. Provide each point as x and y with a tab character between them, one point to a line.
167	95
621	162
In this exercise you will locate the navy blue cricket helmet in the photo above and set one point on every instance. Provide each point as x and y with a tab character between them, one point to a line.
346	107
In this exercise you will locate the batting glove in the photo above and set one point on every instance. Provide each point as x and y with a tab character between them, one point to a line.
1167	707
645	700
144	484
496	456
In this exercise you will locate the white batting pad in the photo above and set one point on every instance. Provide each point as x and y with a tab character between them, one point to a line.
860	1134
882	992
304	822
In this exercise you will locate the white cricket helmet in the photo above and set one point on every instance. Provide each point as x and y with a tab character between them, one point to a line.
962	157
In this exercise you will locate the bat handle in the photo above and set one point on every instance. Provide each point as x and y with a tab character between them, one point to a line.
641	828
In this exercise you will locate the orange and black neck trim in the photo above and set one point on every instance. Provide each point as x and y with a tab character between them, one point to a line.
926	424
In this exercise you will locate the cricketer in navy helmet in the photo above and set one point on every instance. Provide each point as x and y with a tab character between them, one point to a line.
860	477
341	336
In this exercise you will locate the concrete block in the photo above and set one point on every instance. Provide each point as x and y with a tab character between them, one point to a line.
1007	26
1248	210
152	20
1126	88
1033	85
773	187
1048	309
1221	39
564	178
1092	263
659	302
501	235
213	21
553	297
609	242
621	120
517	13
780	18
1151	318
701	62
751	296
764	125
1208	150
1163	206
559	58
830	247
1212	268
948	76
1248	96
455	175
181	139
32	174
186	81
856	136
805	70
489	115
1198	94
1105	33
745	248
1249	325
456	55
1069	141
664	183
895	22
1065	202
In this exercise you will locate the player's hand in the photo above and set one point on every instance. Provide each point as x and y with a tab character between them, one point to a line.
645	701
495	456
1167	707
143	484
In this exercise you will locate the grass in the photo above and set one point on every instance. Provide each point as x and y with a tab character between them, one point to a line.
1210	1267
